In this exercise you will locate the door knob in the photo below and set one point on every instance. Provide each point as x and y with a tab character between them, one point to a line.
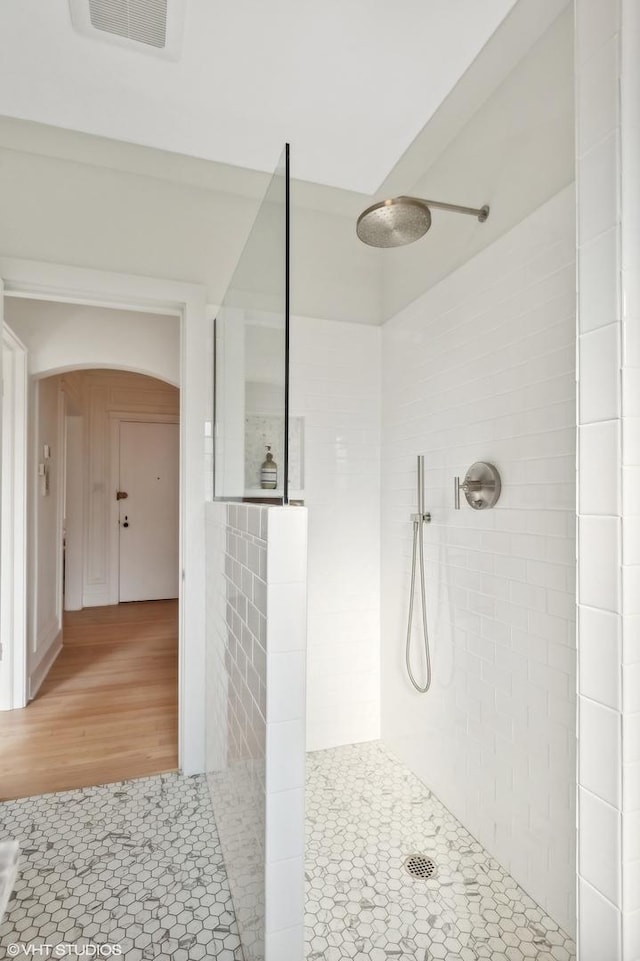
121	495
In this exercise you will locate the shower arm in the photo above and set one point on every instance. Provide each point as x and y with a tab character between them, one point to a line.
480	212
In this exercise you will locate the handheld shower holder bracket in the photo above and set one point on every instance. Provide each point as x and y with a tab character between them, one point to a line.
424	518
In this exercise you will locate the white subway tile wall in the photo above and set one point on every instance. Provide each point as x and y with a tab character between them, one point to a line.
599	925
286	677
335	387
482	367
256	634
237	705
608	179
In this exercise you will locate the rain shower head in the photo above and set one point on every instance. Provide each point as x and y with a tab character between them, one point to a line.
401	220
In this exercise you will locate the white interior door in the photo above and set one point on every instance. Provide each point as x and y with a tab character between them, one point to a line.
149	471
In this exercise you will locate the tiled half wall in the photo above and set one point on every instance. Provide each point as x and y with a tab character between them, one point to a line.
256	639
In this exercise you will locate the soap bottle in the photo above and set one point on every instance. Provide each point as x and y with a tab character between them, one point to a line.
268	471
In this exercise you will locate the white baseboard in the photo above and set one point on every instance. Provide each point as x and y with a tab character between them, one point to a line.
102	599
43	667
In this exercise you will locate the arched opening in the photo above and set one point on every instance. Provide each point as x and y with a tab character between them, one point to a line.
124	368
64	336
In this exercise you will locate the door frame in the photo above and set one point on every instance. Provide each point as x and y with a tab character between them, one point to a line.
115	419
38	280
13	549
52	635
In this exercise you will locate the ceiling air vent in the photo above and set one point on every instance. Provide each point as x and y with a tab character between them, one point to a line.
151	25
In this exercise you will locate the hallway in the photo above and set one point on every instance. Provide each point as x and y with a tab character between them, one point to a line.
108	709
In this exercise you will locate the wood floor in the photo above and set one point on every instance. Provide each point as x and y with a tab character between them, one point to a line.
108	709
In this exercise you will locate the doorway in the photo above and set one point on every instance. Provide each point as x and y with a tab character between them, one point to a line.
189	366
98	669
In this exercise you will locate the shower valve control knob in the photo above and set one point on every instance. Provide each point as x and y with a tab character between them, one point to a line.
481	487
470	487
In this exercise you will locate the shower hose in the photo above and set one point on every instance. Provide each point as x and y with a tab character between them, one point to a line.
418	547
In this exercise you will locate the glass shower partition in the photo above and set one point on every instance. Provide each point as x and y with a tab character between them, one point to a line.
251	360
256	598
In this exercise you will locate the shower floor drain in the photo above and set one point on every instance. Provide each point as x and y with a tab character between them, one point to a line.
420	866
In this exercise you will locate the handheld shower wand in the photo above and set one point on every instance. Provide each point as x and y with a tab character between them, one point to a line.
419	520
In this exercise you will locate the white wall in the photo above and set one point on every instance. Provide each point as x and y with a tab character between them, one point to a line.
85	201
482	368
256	638
44	621
335	387
608	146
63	336
514	152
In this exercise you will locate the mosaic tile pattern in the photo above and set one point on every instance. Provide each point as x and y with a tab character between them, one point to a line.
365	814
136	863
240	817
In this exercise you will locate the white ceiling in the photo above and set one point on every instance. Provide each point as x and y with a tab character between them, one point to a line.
349	83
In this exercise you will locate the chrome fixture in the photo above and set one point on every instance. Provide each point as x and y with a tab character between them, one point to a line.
418	521
420	866
421	516
481	486
401	220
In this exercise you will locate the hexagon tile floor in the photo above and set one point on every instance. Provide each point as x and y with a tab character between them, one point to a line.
136	864
139	864
365	814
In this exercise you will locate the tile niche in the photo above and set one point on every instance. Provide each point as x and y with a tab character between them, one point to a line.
262	429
